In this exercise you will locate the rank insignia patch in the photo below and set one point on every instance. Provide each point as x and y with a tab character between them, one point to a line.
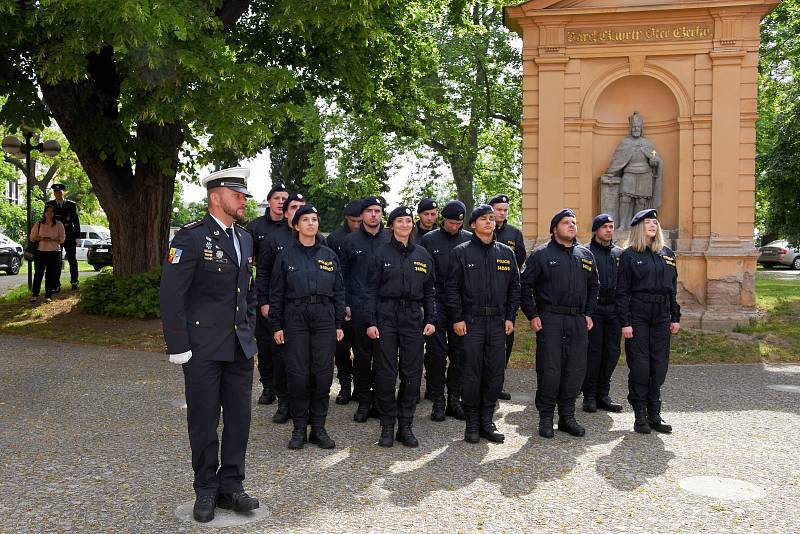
174	255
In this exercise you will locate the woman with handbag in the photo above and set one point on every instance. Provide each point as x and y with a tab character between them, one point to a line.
49	234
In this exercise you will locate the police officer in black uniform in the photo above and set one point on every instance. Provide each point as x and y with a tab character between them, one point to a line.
559	294
268	251
443	344
261	228
357	253
604	337
402	312
483	294
428	213
208	313
307	312
66	211
334	241
511	236
648	311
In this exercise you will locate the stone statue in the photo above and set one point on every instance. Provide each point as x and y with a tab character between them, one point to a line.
634	179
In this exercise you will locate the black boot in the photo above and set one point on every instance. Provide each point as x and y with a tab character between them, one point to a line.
605	403
589	403
658	424
472	430
362	412
438	411
487	427
345	393
406	436
298	438
454	408
504	395
204	506
387	436
282	413
546	425
267	396
568	424
238	501
640	424
319	436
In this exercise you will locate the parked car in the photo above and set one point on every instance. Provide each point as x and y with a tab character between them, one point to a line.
780	252
94	233
99	254
82	248
10	255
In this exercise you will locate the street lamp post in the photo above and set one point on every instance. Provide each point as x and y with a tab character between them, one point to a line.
17	148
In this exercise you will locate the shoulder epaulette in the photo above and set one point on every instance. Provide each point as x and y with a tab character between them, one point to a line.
246	229
193	224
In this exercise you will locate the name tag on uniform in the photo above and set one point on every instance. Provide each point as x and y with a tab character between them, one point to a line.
512	244
503	265
586	264
325	265
421	267
669	260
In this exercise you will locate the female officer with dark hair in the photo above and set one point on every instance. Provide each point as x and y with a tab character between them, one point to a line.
306	312
647	281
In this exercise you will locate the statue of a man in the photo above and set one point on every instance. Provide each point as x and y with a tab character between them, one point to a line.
641	170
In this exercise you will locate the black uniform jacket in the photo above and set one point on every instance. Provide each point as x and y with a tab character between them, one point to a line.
404	273
511	236
647	273
482	276
357	252
268	251
606	261
419	232
261	228
335	239
301	271
207	299
68	215
440	244
556	275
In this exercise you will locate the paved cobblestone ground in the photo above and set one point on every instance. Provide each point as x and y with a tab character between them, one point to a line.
94	440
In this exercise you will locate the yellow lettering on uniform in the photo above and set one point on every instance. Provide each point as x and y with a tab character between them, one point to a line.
503	262
503	268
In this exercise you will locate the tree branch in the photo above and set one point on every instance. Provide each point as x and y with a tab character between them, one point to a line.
231	11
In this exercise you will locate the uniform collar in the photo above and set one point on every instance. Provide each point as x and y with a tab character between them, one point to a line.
403	249
556	243
597	243
370	234
232	226
480	242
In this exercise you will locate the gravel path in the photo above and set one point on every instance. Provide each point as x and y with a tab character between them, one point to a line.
94	440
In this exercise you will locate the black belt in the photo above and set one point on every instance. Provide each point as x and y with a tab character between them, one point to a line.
564	310
483	311
312	299
650	297
605	300
406	303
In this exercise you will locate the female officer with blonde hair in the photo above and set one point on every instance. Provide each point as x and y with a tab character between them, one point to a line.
649	312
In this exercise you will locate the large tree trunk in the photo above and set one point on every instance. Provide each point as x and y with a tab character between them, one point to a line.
463	176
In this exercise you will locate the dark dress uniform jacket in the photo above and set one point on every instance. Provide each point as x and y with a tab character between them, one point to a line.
512	237
482	276
440	244
207	299
67	214
647	273
301	271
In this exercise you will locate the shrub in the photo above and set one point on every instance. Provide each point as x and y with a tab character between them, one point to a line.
132	296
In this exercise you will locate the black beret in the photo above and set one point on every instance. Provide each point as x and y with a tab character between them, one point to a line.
353	208
600	220
642	215
382	201
426	204
566	212
454	210
481	210
302	210
275	189
370	201
498	199
400	211
58	187
291	198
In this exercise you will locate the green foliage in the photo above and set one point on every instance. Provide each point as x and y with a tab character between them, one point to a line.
132	296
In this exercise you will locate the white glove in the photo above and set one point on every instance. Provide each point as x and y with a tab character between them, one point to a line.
183	357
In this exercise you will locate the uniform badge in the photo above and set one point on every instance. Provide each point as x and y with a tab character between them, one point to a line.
208	245
174	255
218	254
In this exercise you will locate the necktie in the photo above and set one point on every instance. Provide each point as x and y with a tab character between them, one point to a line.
229	231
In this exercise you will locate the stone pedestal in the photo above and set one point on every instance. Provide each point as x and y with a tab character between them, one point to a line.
691	70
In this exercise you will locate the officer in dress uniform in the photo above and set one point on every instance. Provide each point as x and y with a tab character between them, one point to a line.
66	211
559	294
605	334
482	300
511	236
442	346
261	228
208	314
401	312
428	212
335	241
648	309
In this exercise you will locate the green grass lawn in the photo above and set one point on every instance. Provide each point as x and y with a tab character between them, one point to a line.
82	267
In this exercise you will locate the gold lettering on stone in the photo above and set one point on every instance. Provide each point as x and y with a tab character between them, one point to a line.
649	34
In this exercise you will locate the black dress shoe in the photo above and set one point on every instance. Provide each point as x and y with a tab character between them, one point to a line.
546	427
282	413
238	501
406	436
320	437
267	397
569	425
362	412
589	406
203	510
659	425
298	439
489	431
387	436
504	395
605	403
345	394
